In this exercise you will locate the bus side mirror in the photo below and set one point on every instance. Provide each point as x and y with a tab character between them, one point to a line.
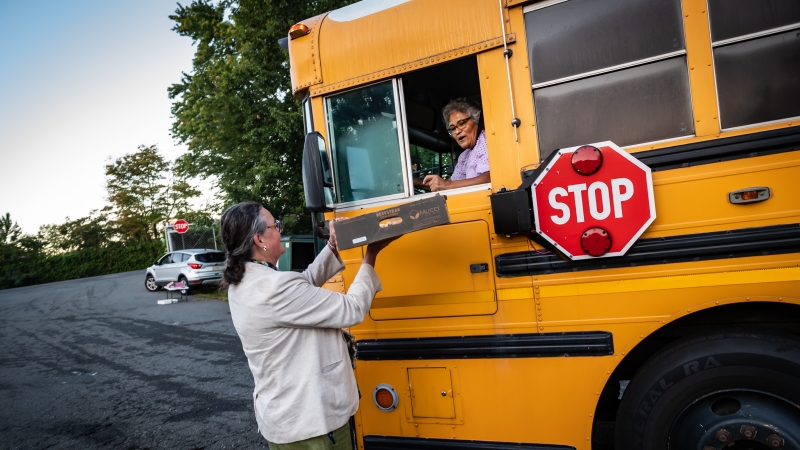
317	177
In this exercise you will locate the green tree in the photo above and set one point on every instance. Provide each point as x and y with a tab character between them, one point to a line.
145	190
97	229
9	230
235	111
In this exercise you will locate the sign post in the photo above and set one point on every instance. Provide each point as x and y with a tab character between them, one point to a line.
593	201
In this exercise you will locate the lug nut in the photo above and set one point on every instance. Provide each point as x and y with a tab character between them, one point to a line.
748	431
774	441
723	436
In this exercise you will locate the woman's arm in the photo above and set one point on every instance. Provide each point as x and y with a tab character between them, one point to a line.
437	183
297	303
327	264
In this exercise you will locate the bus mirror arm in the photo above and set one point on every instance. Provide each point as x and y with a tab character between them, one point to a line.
314	183
322	230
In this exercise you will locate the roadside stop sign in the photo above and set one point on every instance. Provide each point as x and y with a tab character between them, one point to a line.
593	200
180	226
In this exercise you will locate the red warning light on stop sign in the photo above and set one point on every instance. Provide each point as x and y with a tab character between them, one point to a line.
180	226
617	198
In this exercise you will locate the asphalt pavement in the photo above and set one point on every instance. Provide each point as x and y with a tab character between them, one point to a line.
97	363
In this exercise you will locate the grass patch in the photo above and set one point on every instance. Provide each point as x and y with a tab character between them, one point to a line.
211	293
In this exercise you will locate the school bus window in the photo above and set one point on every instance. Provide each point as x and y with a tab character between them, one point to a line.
755	60
365	142
426	92
428	162
619	73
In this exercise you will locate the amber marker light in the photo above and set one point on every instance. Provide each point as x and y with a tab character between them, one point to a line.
596	241
385	397
749	195
298	29
587	160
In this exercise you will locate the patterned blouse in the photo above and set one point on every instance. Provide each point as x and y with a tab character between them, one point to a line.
472	162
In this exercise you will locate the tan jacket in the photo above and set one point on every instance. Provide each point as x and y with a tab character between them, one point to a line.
291	333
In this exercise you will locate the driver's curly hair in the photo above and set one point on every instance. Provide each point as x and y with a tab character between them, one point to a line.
461	105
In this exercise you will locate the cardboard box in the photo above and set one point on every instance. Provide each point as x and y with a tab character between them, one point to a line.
396	221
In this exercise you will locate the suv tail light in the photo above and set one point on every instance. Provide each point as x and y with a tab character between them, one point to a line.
195	265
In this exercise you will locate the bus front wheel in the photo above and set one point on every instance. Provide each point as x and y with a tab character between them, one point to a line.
734	390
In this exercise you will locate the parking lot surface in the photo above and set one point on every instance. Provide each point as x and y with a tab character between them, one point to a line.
97	363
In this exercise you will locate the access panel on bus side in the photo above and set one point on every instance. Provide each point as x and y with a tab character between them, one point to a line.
439	272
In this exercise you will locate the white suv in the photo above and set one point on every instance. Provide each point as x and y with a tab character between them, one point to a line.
194	267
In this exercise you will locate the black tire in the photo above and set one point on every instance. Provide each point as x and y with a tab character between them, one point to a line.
150	284
185	282
685	395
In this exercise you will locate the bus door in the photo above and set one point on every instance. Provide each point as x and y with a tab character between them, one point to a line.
380	139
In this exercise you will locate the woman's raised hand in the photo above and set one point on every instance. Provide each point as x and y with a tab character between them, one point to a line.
373	249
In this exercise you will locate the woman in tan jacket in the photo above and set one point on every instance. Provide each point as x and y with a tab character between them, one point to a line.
290	328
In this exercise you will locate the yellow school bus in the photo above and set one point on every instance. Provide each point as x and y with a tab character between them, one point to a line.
484	336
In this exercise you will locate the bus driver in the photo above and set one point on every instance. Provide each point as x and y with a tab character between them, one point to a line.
462	120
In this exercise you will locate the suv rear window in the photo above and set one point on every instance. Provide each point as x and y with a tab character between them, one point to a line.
210	257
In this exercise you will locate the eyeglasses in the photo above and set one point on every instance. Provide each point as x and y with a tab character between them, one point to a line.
278	225
461	124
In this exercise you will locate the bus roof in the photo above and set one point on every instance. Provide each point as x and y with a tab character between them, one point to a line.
378	39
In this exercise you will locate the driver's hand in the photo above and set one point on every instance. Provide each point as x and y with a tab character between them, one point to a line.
436	183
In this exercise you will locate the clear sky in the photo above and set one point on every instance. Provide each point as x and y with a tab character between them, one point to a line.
81	81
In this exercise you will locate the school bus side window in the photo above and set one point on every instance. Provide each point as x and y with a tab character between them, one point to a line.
755	60
608	70
365	143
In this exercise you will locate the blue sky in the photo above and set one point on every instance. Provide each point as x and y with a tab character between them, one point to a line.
81	81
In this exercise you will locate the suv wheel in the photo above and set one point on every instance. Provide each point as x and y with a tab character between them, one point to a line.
150	284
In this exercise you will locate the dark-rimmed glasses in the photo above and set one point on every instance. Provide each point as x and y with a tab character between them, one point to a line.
278	225
461	124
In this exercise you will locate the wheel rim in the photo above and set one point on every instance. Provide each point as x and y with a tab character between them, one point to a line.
150	283
737	419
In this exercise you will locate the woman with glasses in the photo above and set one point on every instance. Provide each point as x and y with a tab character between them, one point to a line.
462	119
290	328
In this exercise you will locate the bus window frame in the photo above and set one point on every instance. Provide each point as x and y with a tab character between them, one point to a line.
683	53
402	138
735	40
308	117
405	156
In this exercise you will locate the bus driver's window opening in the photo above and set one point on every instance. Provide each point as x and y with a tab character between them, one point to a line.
426	92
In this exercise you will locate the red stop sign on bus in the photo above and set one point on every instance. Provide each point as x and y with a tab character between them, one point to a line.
593	201
181	226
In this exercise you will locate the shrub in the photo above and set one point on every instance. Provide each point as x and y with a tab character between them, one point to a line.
113	258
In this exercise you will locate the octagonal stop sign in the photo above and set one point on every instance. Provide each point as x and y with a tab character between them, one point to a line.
180	226
593	200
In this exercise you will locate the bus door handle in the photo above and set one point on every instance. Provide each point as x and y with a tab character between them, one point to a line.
479	268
